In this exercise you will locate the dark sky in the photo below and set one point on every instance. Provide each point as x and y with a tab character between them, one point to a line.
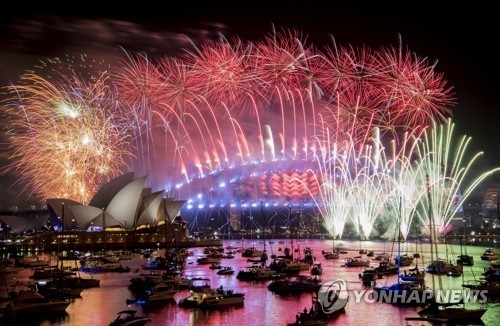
462	38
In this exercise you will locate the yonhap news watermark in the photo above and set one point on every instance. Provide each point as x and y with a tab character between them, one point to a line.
333	295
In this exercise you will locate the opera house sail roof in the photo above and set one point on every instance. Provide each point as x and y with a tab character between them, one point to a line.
122	203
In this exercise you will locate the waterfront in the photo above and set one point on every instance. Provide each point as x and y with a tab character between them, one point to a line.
98	306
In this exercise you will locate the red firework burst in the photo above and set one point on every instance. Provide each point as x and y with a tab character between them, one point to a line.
415	93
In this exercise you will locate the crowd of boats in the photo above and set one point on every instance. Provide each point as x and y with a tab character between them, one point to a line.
52	288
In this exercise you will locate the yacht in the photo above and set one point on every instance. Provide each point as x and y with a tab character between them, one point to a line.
300	284
489	254
369	275
404	293
256	273
129	318
31	303
492	274
330	254
403	260
208	260
157	292
357	262
206	297
439	267
465	260
316	269
251	252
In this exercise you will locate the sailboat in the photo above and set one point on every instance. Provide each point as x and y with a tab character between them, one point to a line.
449	311
357	261
401	292
334	254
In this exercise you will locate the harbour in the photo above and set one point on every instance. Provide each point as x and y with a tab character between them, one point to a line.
99	305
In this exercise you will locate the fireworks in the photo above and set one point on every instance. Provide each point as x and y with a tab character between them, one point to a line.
69	136
232	109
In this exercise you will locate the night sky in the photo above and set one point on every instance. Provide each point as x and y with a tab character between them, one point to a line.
462	39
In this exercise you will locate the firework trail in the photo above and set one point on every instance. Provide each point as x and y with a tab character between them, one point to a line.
226	105
68	135
443	164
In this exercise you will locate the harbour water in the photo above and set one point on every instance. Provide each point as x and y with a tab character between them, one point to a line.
99	306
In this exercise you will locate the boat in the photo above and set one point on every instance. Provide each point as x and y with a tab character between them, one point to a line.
288	266
208	260
58	289
452	312
316	315
356	262
102	264
158	292
489	289
251	252
455	271
308	256
46	272
215	266
330	254
309	318
31	262
404	260
439	267
256	273
369	275
203	296
465	260
495	263
223	298
316	269
492	274
300	284
158	263
403	293
386	267
383	256
30	303
177	282
225	270
489	254
129	318
413	275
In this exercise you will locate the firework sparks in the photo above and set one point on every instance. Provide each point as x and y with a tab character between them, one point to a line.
68	135
229	104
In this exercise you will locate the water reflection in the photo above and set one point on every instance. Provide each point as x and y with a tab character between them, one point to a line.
98	306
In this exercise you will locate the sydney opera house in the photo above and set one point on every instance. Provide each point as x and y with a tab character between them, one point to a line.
123	213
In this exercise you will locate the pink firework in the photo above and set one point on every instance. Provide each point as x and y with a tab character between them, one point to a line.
222	72
415	93
227	103
281	62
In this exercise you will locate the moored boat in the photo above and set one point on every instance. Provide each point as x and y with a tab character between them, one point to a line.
256	273
489	254
225	270
369	275
30	304
129	318
404	293
356	262
297	285
203	296
158	292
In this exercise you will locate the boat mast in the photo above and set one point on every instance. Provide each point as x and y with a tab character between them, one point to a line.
399	235
263	225
431	229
